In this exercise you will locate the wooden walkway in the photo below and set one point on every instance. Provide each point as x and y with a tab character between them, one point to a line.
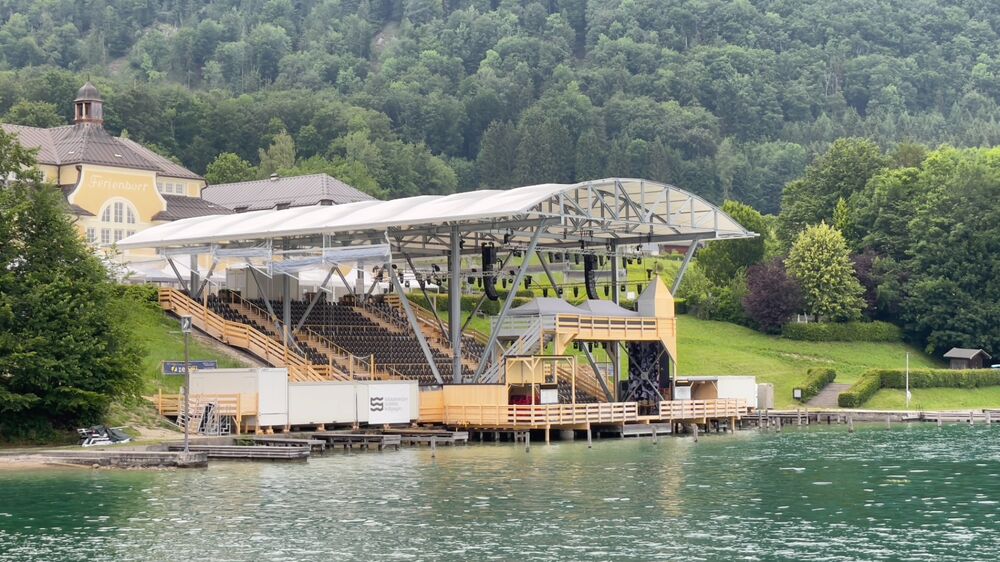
250	453
361	440
317	445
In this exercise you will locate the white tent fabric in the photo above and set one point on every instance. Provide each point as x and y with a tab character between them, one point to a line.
546	306
613	203
159	271
604	308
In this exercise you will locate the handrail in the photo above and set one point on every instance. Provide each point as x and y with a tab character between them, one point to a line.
344	355
247	337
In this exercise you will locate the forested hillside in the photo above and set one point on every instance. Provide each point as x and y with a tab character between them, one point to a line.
730	99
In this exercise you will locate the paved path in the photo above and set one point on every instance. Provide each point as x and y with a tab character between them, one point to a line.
827	398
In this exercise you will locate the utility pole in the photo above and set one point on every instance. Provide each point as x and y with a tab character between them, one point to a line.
907	380
186	330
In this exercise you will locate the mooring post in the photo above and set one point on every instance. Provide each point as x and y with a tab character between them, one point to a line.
760	419
972	418
940	422
496	436
888	421
694	430
798	416
527	441
654	433
434	446
778	419
850	424
989	417
547	441
590	442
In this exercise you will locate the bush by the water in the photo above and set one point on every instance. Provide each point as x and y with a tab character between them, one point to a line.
816	380
874	380
877	331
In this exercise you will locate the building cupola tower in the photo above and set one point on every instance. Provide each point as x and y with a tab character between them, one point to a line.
88	106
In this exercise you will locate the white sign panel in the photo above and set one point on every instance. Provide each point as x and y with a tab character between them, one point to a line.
682	393
388	403
549	396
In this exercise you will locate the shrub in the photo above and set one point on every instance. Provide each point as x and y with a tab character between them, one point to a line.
861	391
772	296
816	380
140	293
873	380
843	331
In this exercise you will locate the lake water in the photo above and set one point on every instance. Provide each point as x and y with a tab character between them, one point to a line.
909	493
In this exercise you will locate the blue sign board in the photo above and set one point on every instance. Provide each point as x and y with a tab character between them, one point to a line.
177	367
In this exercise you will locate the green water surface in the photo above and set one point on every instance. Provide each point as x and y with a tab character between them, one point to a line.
909	493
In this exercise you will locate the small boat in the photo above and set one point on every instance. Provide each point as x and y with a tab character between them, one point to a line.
102	435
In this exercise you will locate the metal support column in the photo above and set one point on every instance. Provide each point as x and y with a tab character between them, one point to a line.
684	266
193	264
597	372
509	300
482	298
415	325
204	282
615	259
423	291
548	273
180	278
316	297
455	303
286	305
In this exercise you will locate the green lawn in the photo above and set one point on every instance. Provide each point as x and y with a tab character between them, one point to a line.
161	339
936	399
720	348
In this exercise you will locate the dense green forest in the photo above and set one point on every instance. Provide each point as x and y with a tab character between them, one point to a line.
827	114
730	99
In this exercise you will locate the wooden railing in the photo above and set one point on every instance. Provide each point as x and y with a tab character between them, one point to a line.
342	359
701	409
586	380
237	406
539	415
610	327
248	338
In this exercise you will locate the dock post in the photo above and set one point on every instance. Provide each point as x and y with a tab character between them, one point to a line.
888	421
590	442
547	441
989	418
732	425
760	420
434	446
496	436
850	424
694	431
798	416
778	425
972	418
940	423
527	441
654	433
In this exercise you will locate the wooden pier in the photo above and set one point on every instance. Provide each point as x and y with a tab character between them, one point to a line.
317	445
249	452
360	440
646	429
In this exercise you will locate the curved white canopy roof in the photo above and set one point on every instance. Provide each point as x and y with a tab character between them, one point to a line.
572	215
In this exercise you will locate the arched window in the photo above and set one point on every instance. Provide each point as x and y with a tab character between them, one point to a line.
116	218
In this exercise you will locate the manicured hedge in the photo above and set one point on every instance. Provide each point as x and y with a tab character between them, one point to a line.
816	380
843	331
873	380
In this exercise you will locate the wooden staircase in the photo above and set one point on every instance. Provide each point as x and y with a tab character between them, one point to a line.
357	368
247	338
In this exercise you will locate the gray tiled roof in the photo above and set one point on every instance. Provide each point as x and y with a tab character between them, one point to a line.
89	143
297	191
964	353
183	207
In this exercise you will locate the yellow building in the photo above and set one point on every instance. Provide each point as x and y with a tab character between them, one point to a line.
113	185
